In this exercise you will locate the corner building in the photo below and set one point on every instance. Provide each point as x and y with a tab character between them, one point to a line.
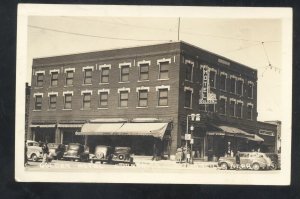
141	96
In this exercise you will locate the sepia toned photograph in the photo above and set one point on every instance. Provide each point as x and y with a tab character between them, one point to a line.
149	94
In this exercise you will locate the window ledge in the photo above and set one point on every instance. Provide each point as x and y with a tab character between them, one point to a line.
102	108
51	110
68	86
87	84
191	81
38	87
147	80
36	110
124	82
141	107
103	83
162	106
190	108
122	107
163	79
53	86
66	109
223	90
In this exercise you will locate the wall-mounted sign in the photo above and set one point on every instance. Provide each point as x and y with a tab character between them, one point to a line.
224	62
187	136
265	132
206	96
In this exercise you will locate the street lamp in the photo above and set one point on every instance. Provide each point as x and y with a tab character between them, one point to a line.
194	117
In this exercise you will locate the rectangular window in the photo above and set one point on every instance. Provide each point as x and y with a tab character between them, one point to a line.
104	75
143	98
188	99
232	108
249	112
52	101
212	79
68	101
54	78
164	70
144	72
163	97
202	107
103	103
210	107
38	102
86	101
239	109
69	78
222	106
87	76
250	90
239	87
232	85
223	82
124	98
39	79
124	73
188	72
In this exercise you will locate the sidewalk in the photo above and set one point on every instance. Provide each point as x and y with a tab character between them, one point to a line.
146	161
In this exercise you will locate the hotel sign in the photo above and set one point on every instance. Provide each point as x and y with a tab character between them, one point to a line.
206	96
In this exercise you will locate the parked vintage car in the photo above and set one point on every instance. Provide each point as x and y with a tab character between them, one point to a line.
34	151
56	150
102	154
122	155
248	160
76	152
110	155
275	158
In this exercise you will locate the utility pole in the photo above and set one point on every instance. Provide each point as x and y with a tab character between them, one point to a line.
178	29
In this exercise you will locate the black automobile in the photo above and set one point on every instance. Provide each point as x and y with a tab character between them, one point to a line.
122	155
275	159
76	152
56	150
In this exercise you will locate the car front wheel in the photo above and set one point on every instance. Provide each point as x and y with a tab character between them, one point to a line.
224	166
34	157
255	167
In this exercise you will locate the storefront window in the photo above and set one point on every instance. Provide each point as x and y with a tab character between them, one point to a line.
222	106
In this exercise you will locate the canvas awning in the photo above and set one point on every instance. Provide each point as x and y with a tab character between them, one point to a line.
256	139
135	129
69	125
42	125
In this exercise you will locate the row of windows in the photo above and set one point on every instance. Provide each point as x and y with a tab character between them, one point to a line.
235	107
142	95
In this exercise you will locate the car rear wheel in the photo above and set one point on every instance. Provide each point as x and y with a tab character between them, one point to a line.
34	157
255	167
224	166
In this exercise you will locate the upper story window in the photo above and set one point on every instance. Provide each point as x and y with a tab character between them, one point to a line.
164	68
223	77
54	78
124	73
232	84
143	98
249	111
38	101
69	77
232	107
188	97
222	105
239	86
189	65
68	101
104	75
87	76
124	96
144	70
250	89
52	101
86	99
212	78
239	109
162	95
39	79
103	99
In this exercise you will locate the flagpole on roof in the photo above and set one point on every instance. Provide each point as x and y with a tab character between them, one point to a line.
178	29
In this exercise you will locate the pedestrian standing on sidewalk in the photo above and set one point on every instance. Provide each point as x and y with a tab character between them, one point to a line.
45	153
154	157
237	160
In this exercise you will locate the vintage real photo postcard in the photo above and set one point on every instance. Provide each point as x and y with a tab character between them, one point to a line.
149	94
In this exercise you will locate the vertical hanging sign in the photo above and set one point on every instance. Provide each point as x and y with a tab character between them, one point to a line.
206	97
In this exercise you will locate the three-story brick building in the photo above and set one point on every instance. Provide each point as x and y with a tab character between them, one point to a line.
142	95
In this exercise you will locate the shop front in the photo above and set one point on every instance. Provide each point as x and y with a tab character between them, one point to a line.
44	132
143	138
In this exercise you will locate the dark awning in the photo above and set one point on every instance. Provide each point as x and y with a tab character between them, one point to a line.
156	130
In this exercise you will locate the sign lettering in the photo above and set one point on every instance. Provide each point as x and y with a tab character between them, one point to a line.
207	97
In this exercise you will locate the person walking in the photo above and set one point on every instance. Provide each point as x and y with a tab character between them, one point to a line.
154	157
237	160
45	153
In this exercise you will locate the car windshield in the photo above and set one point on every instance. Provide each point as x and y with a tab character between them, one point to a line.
53	145
73	147
33	144
122	149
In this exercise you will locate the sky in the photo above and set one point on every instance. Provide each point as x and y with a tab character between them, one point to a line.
237	39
